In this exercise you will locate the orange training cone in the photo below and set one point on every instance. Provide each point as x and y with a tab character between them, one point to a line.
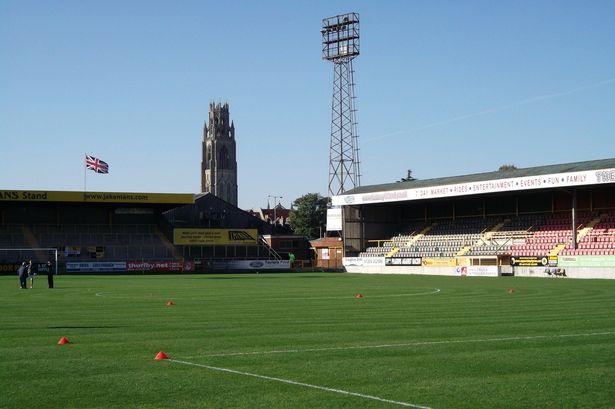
160	356
359	296
170	303
63	341
511	291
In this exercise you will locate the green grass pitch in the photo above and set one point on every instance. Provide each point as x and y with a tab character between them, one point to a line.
306	341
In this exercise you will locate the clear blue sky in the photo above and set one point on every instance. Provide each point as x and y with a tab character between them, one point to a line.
443	87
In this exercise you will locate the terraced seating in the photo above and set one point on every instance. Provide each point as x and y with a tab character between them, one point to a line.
555	231
510	233
526	235
12	236
441	239
120	242
599	240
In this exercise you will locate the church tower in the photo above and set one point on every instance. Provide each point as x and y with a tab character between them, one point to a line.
219	163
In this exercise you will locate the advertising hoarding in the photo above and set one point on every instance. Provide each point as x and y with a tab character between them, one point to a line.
555	180
95	267
252	265
214	237
94	197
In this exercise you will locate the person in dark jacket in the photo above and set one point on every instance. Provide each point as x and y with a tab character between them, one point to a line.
50	274
23	275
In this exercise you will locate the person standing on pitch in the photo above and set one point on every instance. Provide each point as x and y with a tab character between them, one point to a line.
31	273
22	275
50	274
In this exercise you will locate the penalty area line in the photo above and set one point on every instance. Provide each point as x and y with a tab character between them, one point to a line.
306	385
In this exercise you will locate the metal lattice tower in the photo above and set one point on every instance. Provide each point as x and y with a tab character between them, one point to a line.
340	45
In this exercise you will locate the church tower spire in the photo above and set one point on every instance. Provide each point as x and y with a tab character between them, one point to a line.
219	163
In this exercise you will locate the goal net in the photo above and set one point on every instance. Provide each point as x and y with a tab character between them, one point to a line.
39	256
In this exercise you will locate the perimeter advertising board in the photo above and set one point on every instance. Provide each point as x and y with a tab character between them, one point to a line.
439	262
42	268
530	261
252	265
373	261
155	266
96	267
363	261
477	271
483	271
352	261
403	261
9	268
214	237
130	266
587	261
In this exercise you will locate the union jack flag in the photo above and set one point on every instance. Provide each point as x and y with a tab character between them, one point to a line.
96	164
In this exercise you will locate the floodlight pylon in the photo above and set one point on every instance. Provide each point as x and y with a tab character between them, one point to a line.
340	45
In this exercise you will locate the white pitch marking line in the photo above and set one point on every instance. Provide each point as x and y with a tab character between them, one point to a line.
436	290
450	341
307	385
108	294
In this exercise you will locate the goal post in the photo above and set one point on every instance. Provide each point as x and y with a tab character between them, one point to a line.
21	254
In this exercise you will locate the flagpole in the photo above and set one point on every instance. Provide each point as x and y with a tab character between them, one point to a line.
84	176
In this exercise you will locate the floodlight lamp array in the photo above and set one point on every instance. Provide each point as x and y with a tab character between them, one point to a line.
340	37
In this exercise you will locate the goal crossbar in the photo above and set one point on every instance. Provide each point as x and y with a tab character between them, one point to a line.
55	252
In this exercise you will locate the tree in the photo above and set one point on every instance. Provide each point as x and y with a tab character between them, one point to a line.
308	215
505	167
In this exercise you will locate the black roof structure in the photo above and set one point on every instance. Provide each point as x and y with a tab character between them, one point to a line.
565	175
488	176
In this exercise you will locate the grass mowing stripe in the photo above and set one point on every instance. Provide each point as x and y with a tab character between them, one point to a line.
307	385
408	344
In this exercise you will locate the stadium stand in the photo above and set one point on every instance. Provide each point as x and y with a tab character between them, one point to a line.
106	230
